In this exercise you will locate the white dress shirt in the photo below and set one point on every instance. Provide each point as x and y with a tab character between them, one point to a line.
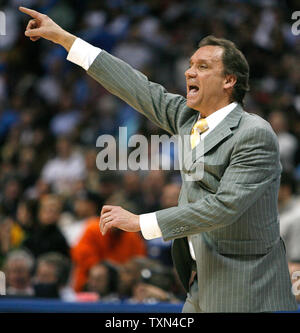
84	54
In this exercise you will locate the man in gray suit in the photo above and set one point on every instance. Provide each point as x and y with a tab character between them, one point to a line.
227	249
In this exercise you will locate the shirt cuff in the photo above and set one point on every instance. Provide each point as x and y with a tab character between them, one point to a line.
149	226
83	53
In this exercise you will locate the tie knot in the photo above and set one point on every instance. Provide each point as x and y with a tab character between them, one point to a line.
201	126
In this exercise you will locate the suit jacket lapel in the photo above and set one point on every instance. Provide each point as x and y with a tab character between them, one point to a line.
218	134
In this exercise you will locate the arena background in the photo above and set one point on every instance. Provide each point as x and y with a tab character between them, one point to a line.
51	114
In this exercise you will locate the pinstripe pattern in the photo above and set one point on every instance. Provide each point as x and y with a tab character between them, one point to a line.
231	213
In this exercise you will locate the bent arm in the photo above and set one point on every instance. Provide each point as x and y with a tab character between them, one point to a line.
254	166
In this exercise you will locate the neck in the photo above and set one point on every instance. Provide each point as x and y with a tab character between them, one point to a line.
207	110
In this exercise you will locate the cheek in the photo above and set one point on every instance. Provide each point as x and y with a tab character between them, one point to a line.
212	83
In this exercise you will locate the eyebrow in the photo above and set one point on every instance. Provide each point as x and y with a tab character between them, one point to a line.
198	61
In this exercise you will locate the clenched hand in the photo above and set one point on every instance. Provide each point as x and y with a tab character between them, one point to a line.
115	216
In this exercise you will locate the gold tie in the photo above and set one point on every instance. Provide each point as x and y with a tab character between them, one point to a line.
200	127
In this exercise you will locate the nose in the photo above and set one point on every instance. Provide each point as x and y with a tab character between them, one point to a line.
190	73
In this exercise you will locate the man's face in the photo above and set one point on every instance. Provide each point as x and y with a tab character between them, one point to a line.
128	276
205	80
18	274
46	273
98	280
49	213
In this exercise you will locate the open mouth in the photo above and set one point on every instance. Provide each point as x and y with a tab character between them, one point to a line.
193	89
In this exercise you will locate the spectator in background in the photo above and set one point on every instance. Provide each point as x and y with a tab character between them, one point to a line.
109	184
18	268
131	187
42	143
129	276
40	189
11	236
26	168
52	276
134	50
10	196
142	280
157	248
65	168
93	247
155	283
10	116
122	197
289	213
103	280
287	142
26	216
27	130
65	122
85	205
106	108
92	173
47	237
151	189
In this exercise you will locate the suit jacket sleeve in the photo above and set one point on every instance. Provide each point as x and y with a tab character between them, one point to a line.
253	167
150	99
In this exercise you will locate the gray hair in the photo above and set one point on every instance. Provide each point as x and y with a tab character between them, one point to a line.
22	255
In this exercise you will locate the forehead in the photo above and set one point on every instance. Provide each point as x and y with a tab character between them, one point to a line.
46	266
100	269
208	53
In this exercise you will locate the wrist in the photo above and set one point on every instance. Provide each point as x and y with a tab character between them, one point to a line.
66	40
138	222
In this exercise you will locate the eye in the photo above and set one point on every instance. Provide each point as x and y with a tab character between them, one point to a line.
203	66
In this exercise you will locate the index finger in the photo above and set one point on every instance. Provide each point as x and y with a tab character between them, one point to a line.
30	12
106	208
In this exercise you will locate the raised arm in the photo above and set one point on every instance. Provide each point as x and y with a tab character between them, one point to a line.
149	98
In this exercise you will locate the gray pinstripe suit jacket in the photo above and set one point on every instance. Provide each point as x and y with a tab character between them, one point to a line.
231	213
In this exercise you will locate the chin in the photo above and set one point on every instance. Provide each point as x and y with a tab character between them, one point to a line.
191	105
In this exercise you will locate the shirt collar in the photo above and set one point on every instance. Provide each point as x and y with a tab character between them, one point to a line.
216	117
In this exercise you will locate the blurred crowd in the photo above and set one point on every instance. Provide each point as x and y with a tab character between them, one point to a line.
51	114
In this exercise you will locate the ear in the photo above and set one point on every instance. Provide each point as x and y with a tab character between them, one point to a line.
230	81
